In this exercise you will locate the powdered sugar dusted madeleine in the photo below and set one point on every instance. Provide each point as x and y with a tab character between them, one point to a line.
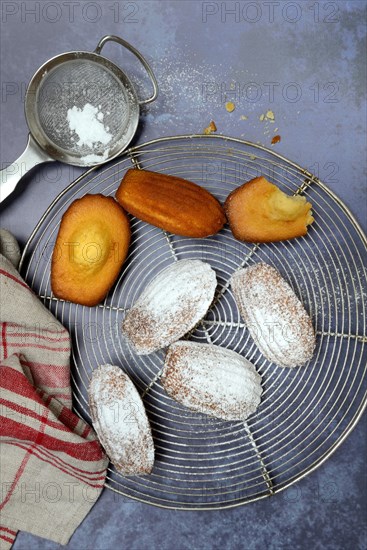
275	317
211	380
120	421
171	305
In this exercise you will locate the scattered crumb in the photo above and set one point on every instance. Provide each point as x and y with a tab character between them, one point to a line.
268	117
276	139
243	117
211	128
230	106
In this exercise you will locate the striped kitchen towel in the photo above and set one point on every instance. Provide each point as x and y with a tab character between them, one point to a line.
52	466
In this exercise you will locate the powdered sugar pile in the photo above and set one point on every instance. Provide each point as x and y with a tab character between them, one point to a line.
92	158
87	123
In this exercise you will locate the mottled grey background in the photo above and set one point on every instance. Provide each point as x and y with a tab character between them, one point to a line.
304	60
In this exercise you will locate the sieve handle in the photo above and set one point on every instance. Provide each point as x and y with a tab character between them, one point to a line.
122	42
10	176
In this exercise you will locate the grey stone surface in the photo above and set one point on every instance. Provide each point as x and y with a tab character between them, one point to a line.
304	60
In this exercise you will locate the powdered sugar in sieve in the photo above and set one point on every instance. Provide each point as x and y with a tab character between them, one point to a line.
81	109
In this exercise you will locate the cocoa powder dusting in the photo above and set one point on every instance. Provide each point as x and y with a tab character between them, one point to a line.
120	421
170	306
275	317
211	380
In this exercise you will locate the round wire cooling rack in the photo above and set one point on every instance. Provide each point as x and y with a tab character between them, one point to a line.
305	413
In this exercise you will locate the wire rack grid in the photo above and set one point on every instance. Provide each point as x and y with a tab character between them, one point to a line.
305	413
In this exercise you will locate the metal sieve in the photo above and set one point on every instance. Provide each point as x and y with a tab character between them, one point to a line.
68	84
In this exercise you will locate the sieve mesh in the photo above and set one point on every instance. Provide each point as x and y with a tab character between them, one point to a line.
76	83
305	413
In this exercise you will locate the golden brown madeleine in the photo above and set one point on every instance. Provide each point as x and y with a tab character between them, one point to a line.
90	248
173	204
120	420
259	212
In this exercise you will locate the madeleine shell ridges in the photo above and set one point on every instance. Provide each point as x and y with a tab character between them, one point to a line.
275	317
170	306
212	380
172	203
120	421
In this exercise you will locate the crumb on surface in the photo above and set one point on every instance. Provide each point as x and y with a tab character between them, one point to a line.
230	106
276	139
211	128
269	116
